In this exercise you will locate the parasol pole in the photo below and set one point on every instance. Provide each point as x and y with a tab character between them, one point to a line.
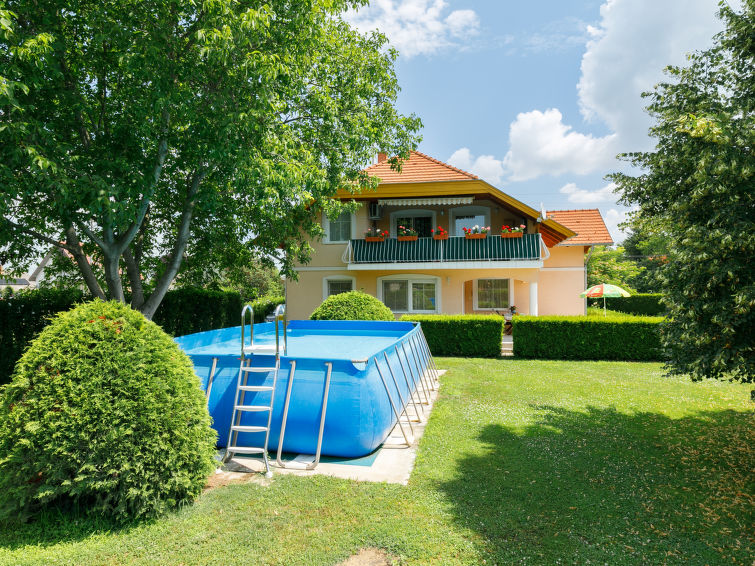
604	305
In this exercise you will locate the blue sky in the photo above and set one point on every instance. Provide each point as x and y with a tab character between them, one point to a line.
538	97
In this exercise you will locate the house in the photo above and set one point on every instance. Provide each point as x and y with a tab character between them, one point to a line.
540	272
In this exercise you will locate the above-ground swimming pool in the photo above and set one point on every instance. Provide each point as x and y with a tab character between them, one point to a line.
377	367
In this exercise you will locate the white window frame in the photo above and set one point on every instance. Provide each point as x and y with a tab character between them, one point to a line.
326	227
411	213
413	278
511	293
472	210
326	280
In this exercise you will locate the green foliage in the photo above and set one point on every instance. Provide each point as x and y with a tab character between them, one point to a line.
610	266
698	184
631	338
106	412
139	137
23	315
183	311
648	246
641	304
189	310
461	335
354	305
265	305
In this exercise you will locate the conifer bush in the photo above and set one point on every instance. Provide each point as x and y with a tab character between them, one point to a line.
353	305
103	410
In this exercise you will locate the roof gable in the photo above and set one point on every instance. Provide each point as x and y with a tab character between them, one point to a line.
419	168
587	223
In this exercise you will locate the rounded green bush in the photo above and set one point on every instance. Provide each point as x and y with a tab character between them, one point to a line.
106	411
353	305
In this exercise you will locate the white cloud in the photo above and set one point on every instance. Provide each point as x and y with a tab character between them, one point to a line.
624	56
417	27
613	217
582	196
485	166
540	143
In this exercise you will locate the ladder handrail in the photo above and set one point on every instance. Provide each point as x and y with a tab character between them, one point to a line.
280	316
245	308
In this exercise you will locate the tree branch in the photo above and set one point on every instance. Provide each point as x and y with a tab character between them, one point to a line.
38	236
81	260
176	255
135	279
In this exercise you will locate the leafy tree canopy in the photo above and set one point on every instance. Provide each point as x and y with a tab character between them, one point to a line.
699	184
606	265
136	134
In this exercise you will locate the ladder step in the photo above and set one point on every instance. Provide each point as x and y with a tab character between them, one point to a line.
259	348
265	370
245	450
245	428
252	408
255	388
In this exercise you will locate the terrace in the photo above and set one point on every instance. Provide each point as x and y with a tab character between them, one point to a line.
493	252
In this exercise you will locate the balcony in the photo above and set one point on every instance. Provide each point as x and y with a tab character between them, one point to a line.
493	252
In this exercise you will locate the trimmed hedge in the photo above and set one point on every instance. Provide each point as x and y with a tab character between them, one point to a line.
477	336
353	305
630	338
105	411
263	307
189	310
641	304
183	311
24	315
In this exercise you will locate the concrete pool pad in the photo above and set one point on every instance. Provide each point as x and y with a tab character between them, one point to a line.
392	462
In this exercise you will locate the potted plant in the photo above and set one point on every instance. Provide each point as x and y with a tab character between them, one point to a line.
375	235
476	232
512	231
407	234
439	234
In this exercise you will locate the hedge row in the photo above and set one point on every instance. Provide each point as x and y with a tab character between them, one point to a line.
263	307
631	338
641	304
182	311
476	336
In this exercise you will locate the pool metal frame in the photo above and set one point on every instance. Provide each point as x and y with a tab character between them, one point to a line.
419	385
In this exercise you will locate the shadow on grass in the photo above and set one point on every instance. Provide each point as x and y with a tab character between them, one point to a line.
59	524
604	486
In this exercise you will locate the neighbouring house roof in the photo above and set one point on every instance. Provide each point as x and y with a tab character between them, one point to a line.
419	168
586	222
422	177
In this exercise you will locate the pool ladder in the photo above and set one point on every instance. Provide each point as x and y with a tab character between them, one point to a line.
244	386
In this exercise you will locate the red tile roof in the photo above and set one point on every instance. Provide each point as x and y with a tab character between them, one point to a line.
419	168
586	222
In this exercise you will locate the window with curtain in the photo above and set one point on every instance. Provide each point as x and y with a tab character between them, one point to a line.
409	296
492	293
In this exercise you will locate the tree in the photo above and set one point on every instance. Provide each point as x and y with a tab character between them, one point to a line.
647	247
137	134
699	183
607	265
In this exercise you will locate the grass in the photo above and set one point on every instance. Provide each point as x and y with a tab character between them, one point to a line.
522	462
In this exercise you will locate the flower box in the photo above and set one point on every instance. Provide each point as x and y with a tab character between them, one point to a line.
475	236
440	236
407	238
374	238
512	234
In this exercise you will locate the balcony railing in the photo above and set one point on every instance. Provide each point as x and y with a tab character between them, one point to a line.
457	249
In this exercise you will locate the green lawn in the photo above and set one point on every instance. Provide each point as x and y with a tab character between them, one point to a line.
523	462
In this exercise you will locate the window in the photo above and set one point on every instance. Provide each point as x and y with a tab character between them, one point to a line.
422	221
492	294
337	284
396	295
411	294
338	230
468	217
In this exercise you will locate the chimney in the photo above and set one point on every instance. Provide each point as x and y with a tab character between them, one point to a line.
382	157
